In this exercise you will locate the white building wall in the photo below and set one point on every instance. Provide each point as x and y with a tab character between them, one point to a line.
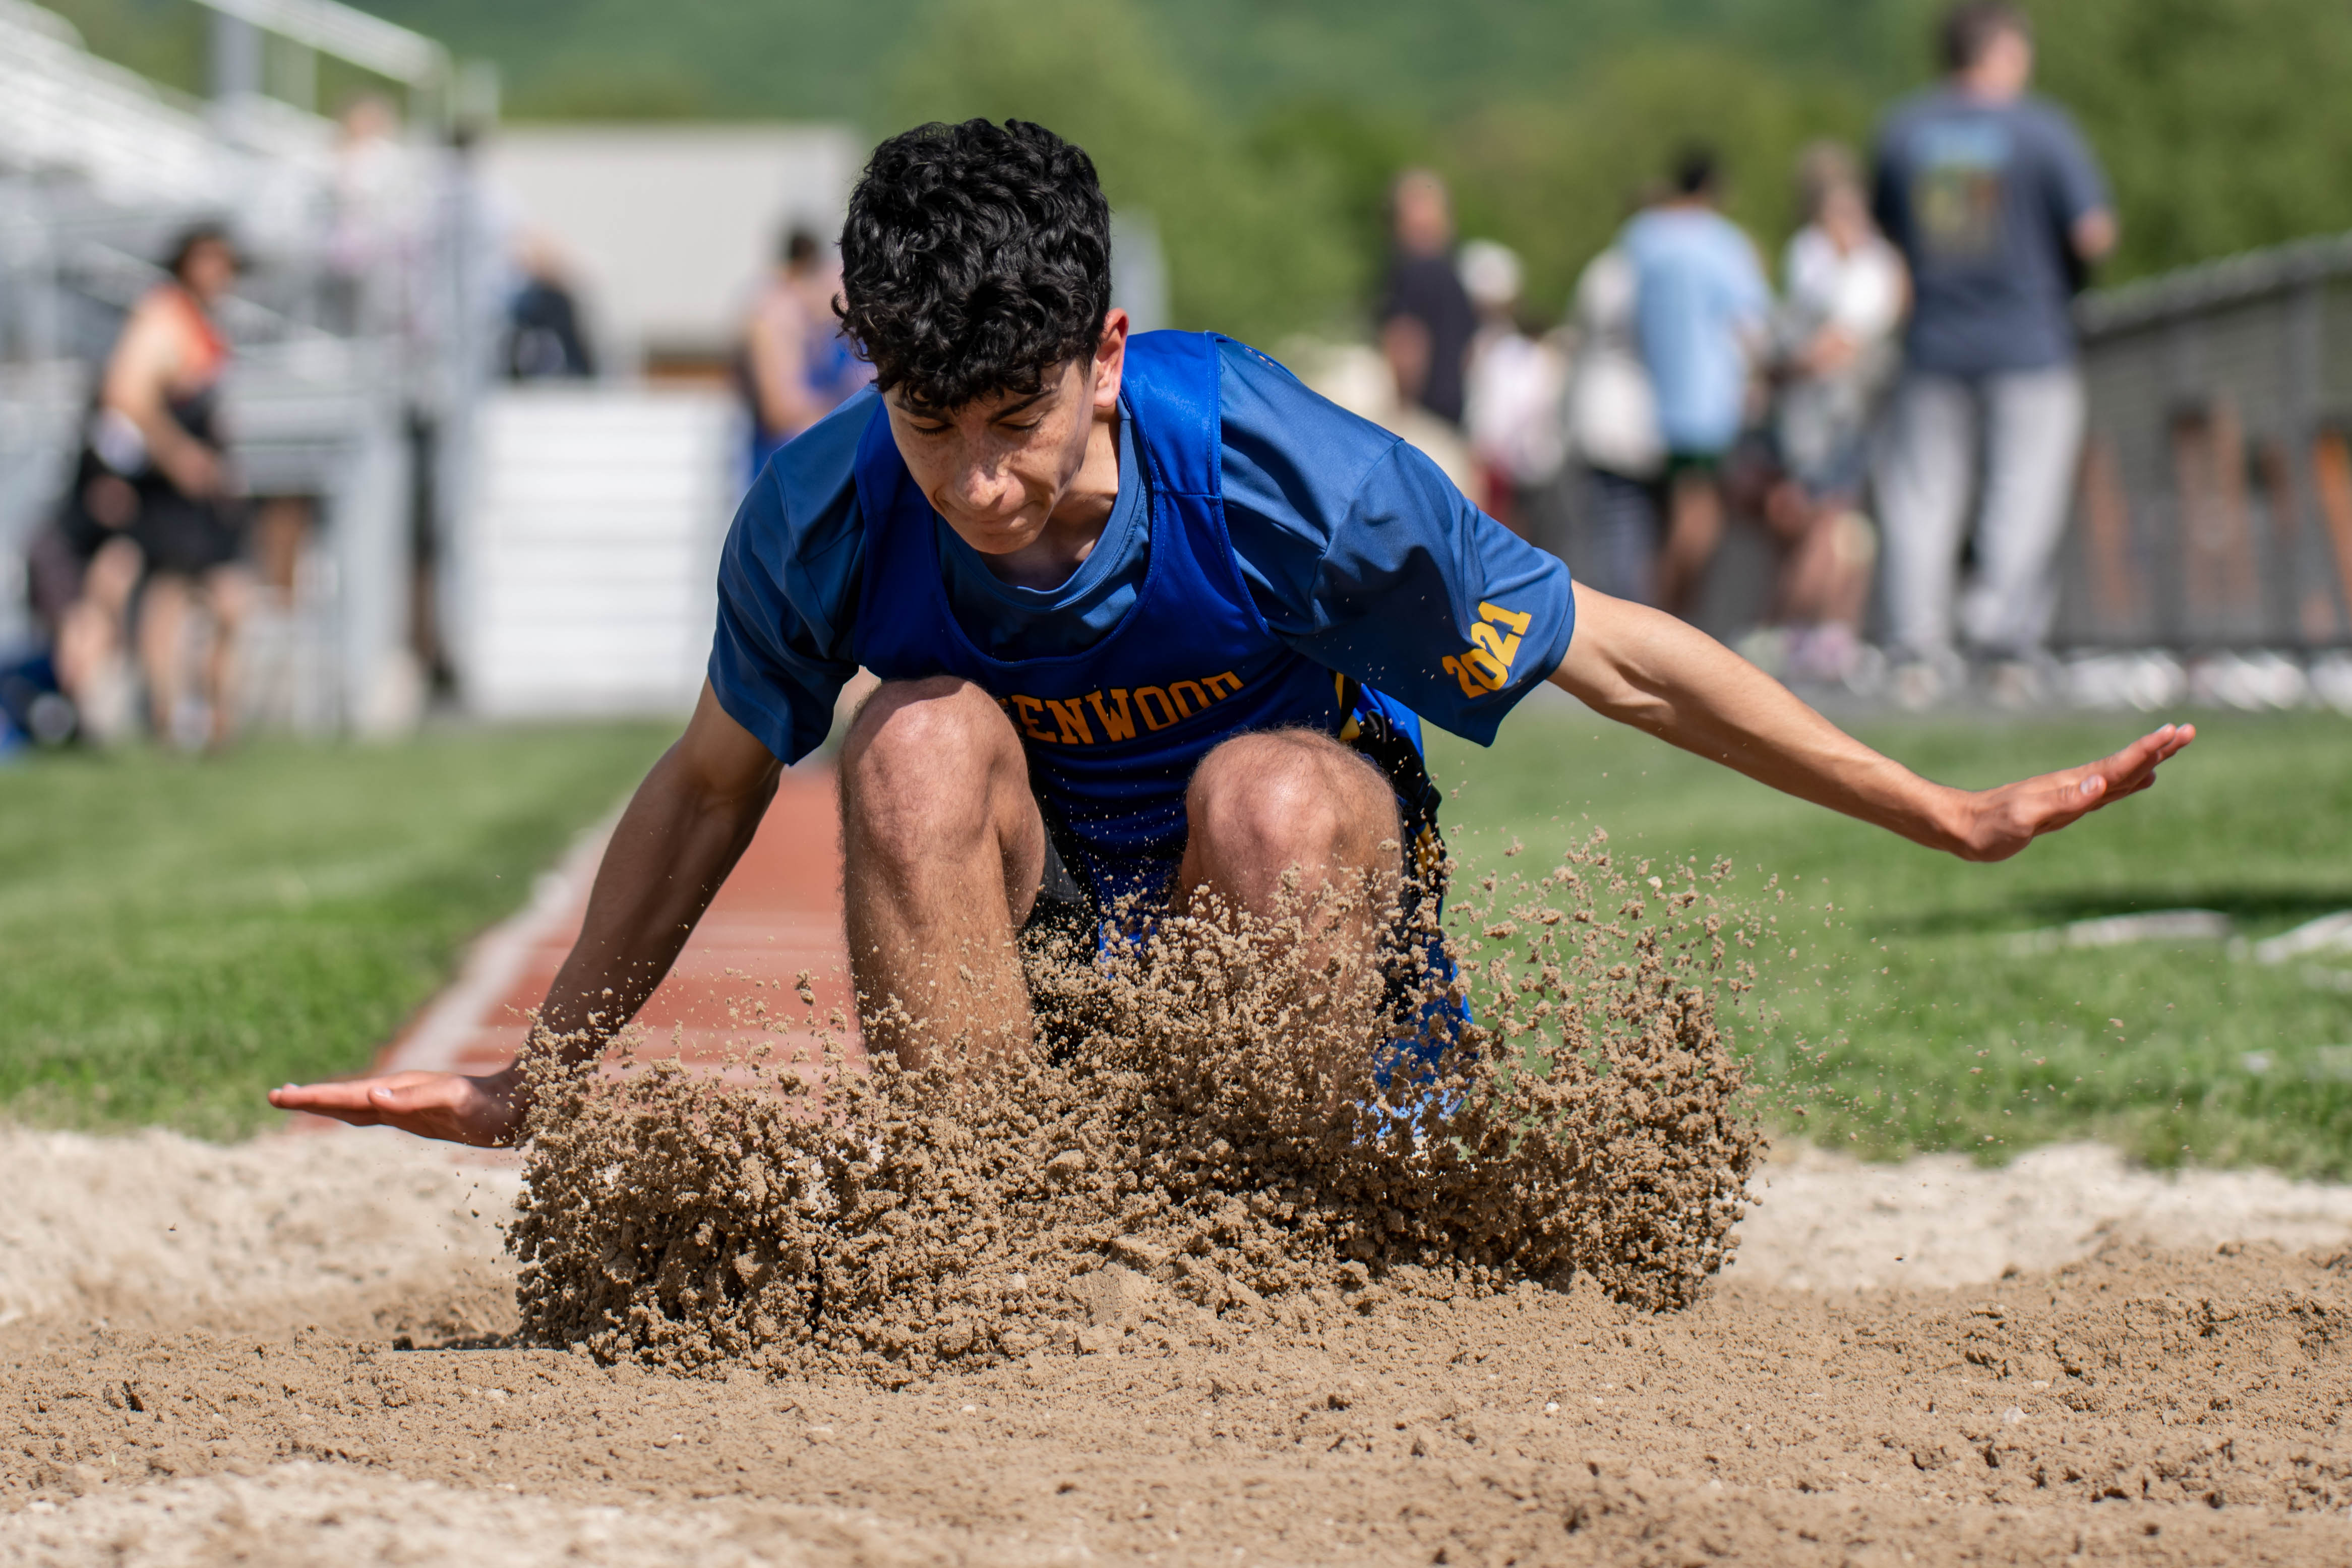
666	229
590	555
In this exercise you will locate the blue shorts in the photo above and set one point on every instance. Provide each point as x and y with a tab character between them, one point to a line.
1085	904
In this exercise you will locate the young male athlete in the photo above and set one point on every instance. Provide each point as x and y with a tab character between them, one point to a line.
1151	619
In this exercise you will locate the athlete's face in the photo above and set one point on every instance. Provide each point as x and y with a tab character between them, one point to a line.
1000	467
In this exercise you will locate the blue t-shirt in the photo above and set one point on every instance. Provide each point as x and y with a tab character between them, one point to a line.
1353	545
1699	290
1982	199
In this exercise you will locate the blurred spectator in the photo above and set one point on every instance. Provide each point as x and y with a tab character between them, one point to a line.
1612	427
544	340
1426	317
2000	209
1843	297
81	571
151	514
796	367
1511	400
1700	306
372	239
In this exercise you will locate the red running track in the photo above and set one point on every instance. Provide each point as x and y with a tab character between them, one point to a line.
777	915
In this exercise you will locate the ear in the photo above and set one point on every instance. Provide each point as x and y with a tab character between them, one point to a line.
1110	360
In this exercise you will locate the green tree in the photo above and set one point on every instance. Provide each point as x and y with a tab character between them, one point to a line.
2221	122
1253	247
1554	177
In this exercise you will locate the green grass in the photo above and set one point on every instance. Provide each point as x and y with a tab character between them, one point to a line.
1894	1013
177	936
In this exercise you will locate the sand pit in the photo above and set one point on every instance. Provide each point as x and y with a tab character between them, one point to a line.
2133	1404
1201	1292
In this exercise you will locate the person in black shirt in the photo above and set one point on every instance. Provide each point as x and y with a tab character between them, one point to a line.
544	338
1426	317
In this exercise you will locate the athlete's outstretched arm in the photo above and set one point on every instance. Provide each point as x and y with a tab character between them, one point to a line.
1643	667
682	833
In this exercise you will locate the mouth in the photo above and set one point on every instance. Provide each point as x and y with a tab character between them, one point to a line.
1007	530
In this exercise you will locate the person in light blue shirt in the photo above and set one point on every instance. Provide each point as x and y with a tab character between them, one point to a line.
1152	622
1700	308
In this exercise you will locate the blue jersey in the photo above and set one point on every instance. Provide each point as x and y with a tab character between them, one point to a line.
1113	732
1344	561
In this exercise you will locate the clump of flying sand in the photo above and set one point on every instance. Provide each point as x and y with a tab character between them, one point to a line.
1215	1131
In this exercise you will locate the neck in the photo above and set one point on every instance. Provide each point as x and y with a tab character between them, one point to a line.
1987	88
1076	524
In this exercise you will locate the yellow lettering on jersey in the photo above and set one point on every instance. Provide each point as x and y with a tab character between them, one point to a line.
1117	722
1505	648
1072	720
1474	685
1062	721
1030	707
1485	665
1144	695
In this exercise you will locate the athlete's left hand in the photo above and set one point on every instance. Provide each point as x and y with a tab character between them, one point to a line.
1995	824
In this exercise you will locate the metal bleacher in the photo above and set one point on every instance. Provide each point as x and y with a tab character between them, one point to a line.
99	167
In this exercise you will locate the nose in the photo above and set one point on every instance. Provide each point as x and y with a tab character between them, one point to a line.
985	490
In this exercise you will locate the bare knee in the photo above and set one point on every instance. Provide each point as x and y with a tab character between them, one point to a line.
113	575
923	766
1262	804
228	593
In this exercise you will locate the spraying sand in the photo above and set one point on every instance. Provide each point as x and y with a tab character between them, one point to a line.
1215	1134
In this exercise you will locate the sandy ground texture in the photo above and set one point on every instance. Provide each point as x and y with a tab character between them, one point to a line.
231	1391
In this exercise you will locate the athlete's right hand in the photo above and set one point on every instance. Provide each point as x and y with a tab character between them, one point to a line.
486	1111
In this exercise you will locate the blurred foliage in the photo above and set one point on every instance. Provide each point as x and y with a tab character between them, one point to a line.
1555	178
2221	122
1252	241
163	40
1261	134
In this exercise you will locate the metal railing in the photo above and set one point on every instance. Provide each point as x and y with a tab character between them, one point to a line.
2215	509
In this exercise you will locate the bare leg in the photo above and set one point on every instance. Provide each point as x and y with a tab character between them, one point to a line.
1296	807
163	646
944	848
1694	529
90	635
228	594
1810	583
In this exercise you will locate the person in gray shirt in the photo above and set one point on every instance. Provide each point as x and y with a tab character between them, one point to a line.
2000	210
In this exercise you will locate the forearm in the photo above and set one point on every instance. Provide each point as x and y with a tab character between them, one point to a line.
670	852
1648	670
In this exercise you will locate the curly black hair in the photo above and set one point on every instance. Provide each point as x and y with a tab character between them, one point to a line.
976	260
